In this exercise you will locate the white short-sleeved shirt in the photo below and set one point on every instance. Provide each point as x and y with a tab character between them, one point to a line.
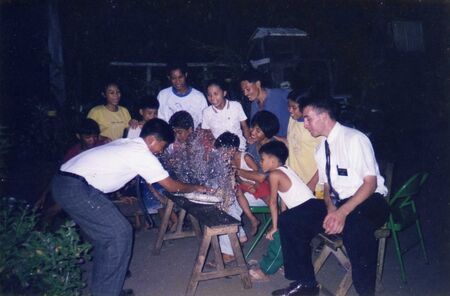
298	193
193	102
226	120
351	159
109	167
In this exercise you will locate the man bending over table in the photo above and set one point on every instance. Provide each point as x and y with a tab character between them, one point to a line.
81	186
353	204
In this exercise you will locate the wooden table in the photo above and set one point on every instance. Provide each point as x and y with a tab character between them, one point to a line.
215	222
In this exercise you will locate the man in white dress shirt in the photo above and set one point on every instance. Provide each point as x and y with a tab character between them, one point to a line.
180	96
353	204
81	186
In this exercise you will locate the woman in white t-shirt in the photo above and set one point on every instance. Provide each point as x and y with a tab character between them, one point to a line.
224	115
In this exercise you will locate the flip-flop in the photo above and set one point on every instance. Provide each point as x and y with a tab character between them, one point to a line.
257	278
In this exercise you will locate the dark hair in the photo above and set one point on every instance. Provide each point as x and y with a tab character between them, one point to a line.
88	127
176	66
181	119
108	84
252	76
158	128
227	140
299	96
321	104
216	82
277	149
149	102
267	122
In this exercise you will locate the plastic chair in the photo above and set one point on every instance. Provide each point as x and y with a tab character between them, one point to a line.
404	214
267	220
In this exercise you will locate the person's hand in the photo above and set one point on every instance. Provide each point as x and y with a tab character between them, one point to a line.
133	123
334	222
269	235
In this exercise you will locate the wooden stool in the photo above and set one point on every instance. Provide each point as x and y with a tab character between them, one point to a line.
179	233
333	245
215	222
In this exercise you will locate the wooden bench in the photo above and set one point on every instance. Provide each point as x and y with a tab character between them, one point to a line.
215	222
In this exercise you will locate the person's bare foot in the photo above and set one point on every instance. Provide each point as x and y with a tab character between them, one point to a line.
254	229
243	239
256	275
173	227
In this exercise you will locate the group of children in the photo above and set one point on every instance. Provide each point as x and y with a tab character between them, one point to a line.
270	170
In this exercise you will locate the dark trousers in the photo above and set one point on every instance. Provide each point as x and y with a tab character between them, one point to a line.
108	229
301	224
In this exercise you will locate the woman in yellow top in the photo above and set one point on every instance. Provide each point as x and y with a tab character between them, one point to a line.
111	118
300	143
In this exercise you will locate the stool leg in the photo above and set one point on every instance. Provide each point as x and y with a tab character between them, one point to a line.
163	228
245	277
318	263
200	261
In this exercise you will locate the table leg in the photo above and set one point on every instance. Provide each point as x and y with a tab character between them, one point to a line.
163	228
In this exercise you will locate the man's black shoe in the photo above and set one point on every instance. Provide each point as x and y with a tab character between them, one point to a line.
127	292
297	289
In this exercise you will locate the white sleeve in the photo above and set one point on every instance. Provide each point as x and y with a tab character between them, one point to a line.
363	156
163	111
206	119
202	106
241	114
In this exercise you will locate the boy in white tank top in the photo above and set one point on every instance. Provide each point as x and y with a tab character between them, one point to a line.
292	191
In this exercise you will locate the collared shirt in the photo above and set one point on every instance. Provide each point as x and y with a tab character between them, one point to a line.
226	120
351	159
109	167
193	102
277	103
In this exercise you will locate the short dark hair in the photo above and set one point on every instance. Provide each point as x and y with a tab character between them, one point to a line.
227	140
252	76
158	128
172	66
267	122
299	96
149	102
109	83
181	119
277	149
322	104
216	82
88	127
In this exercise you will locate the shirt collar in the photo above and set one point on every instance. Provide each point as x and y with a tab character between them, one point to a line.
181	95
334	132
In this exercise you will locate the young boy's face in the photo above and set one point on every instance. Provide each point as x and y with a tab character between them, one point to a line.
181	134
269	162
148	114
257	134
88	141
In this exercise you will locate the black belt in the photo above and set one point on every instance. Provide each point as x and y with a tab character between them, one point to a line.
72	175
343	201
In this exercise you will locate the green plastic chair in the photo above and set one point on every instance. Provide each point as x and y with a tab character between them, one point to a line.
267	220
404	214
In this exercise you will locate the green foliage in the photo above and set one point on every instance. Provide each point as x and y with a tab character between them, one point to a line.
38	262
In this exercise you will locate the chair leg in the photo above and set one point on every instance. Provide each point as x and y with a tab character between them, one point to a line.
422	244
399	255
258	237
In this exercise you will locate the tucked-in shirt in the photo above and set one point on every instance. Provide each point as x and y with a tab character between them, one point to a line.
298	193
277	103
226	120
112	124
109	167
170	102
301	150
351	159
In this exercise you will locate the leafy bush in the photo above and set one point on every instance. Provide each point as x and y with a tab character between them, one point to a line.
38	262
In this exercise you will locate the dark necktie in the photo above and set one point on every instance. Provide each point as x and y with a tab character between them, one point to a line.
333	194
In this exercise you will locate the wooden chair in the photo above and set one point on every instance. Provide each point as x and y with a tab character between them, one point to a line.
332	244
